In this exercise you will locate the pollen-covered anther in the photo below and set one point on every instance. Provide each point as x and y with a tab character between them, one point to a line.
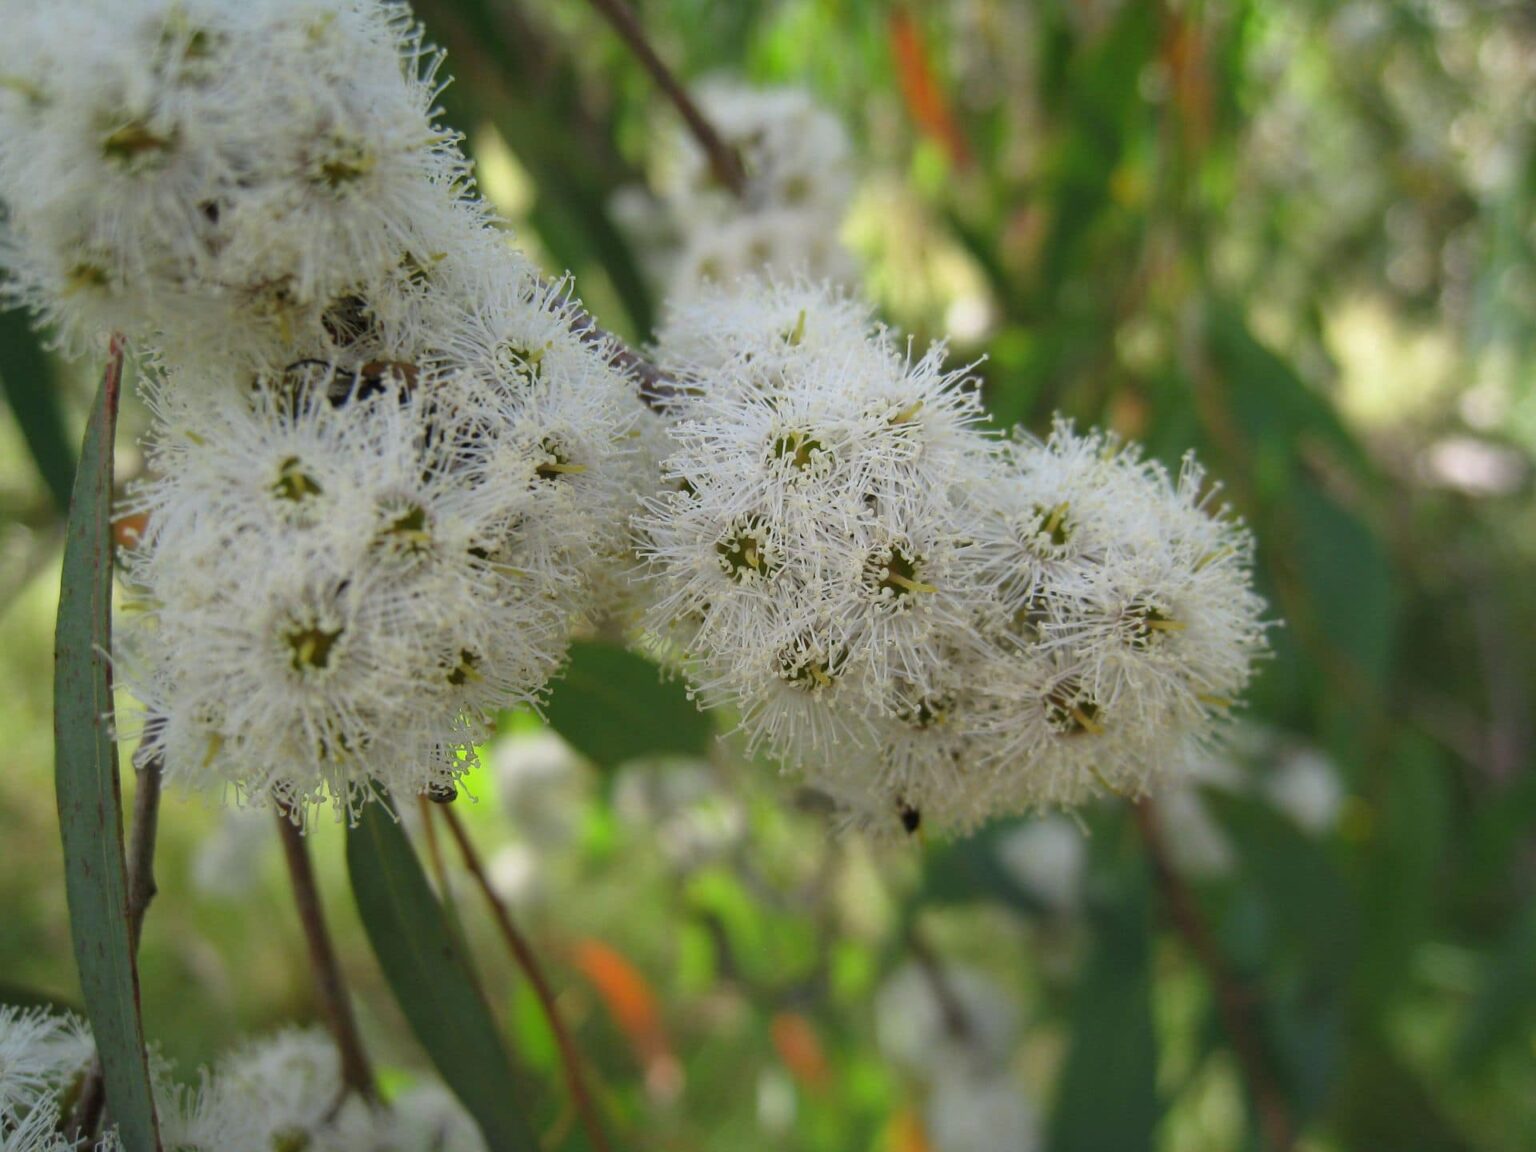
1031	617
1071	710
807	667
893	574
802	448
557	462
135	140
466	670
515	360
86	277
1054	527
312	646
744	552
294	483
346	163
408	528
927	712
1143	625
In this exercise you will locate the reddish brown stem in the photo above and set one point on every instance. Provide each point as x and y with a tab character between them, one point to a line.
522	953
335	1005
1235	1001
656	388
956	1022
723	160
141	848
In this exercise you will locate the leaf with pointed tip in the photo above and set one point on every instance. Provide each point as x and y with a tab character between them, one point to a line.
432	979
86	782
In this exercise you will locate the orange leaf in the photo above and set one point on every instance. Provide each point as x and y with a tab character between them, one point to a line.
1185	56
920	89
906	1132
798	1046
628	997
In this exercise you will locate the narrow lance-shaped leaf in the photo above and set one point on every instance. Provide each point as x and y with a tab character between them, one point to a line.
86	780
27	379
432	979
1107	1097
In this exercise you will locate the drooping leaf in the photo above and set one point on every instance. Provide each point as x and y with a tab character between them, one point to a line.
612	706
1501	1009
1107	1097
432	980
1385	1103
1352	595
27	379
1292	933
1276	409
1399	893
87	786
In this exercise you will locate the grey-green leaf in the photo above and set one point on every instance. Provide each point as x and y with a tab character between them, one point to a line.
612	706
432	979
27	378
86	781
1107	1097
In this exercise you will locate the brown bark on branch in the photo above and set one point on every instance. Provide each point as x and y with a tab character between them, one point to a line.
1235	1001
335	1005
522	954
723	160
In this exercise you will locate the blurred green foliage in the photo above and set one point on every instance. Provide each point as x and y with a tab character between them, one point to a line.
1296	237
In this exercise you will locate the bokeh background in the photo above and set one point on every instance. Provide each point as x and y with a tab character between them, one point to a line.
1295	236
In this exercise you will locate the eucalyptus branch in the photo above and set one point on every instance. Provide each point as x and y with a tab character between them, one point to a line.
141	849
956	1022
723	160
439	866
522	953
1234	999
335	1005
656	387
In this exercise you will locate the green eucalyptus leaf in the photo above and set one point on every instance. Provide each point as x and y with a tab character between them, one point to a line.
87	785
432	979
27	378
612	706
1107	1097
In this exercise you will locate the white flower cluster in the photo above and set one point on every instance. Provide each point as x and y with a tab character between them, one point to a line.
799	185
284	1091
931	625
390	461
194	168
43	1059
393	467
